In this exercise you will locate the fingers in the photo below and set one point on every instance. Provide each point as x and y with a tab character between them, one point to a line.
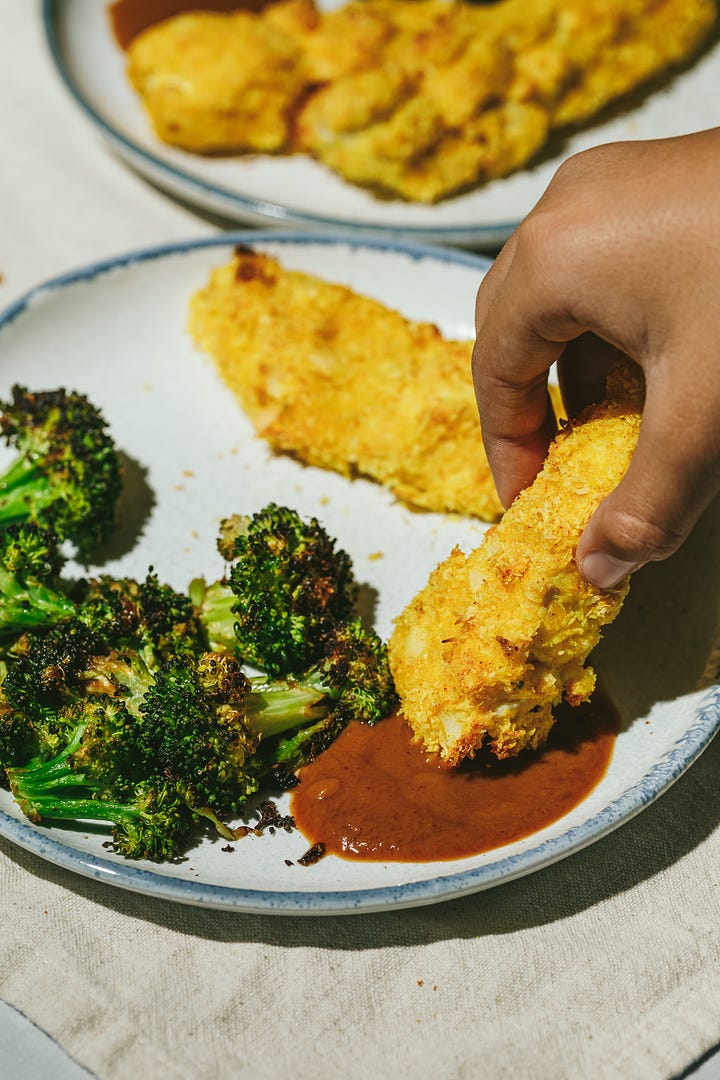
493	282
582	372
620	253
673	475
510	365
517	429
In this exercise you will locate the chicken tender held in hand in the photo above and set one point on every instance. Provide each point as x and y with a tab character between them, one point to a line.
499	637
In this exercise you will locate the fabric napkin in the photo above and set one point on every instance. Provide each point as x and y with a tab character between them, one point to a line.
604	965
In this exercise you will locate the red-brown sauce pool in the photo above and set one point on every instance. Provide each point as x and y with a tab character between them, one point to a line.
376	795
130	17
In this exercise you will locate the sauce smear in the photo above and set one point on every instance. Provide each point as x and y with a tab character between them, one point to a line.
375	795
130	17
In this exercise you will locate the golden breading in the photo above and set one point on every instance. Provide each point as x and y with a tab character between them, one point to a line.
416	99
490	86
216	82
499	637
344	42
343	382
649	37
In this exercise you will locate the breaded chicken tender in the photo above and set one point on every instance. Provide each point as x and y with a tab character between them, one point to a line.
415	99
488	86
498	637
217	82
344	383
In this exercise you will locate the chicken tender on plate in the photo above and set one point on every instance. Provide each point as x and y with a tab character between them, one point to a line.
344	383
412	99
498	637
217	82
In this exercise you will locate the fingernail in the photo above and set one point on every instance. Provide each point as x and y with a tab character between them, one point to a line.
605	571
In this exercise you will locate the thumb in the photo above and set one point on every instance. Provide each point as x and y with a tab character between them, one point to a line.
671	478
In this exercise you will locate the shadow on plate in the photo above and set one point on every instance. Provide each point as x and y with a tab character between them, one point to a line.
666	641
135	506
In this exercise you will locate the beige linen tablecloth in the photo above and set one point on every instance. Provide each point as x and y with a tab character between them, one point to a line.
604	965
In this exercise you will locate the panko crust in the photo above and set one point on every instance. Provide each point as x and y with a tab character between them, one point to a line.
215	82
413	99
344	383
498	637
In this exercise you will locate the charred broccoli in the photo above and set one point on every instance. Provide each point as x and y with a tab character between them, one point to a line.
124	701
146	615
48	670
67	471
18	739
102	775
352	682
185	752
30	565
291	588
193	724
147	774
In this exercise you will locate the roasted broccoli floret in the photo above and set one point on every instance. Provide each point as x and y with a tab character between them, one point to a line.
291	588
48	669
30	595
167	618
109	607
100	749
145	615
193	723
52	669
18	739
67	472
355	674
101	775
352	682
155	825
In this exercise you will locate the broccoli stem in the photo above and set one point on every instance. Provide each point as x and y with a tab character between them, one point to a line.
214	604
23	490
275	707
288	755
22	470
41	790
44	791
30	604
49	807
38	781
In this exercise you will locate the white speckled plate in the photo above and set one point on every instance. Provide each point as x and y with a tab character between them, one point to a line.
298	193
116	331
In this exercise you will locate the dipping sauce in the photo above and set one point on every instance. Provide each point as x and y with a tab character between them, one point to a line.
375	795
130	17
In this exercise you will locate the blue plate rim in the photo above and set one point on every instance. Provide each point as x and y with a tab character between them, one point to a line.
663	773
487	234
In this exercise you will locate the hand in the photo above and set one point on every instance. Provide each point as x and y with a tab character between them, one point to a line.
622	252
